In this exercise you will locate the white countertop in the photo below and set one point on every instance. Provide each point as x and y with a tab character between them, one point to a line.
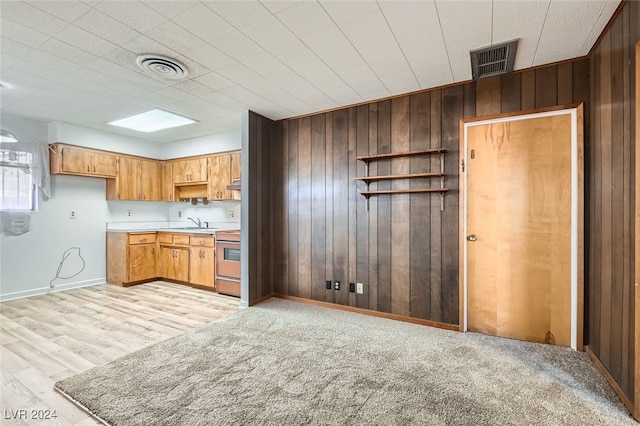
170	227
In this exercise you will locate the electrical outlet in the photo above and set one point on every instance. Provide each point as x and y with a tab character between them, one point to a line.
328	285
129	213
336	285
359	288
352	287
232	214
179	213
73	214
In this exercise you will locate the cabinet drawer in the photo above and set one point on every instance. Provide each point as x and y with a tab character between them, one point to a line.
203	240
181	239
142	238
228	286
165	238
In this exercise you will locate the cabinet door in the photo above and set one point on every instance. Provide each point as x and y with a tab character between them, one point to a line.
127	180
236	166
167	187
190	171
165	261
76	161
103	164
150	180
142	262
219	177
202	266
174	263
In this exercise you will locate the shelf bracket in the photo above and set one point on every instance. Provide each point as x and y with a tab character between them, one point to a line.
442	181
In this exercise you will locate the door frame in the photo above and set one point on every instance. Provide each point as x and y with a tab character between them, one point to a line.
577	209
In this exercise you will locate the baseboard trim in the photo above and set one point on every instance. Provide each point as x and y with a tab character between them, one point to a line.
47	290
369	312
616	387
262	299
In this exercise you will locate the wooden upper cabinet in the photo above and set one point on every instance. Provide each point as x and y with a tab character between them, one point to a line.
167	181
141	179
190	171
151	180
219	177
236	166
137	180
72	160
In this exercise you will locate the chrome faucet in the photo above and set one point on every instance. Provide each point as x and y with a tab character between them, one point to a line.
197	221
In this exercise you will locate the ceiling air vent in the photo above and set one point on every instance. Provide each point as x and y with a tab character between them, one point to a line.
162	66
493	60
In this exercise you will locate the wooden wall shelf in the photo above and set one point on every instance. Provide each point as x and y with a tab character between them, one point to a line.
366	159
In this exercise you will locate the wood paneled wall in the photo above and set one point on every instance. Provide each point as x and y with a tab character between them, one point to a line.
611	200
404	249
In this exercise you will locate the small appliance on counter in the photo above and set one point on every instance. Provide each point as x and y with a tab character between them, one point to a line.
228	262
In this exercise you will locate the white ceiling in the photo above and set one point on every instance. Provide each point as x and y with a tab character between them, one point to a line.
74	61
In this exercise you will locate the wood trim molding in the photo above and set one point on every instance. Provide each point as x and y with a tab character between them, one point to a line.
430	89
369	312
636	384
54	145
462	188
603	370
607	27
261	299
518	113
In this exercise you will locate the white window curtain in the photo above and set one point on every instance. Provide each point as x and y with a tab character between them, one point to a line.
39	159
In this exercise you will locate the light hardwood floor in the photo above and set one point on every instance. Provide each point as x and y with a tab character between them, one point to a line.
47	338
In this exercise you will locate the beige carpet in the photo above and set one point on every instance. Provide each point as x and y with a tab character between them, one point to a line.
286	363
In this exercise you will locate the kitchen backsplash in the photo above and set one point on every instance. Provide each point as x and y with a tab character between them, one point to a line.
214	212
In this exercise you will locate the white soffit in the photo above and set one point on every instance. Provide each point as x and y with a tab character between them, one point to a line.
74	61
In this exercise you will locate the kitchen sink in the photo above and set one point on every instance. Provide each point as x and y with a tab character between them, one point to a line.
185	228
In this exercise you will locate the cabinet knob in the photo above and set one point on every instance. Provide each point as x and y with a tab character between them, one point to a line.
94	168
89	168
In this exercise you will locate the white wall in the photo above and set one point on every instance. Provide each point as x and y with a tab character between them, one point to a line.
220	142
29	261
59	131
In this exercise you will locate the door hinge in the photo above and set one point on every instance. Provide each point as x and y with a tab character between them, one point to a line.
462	161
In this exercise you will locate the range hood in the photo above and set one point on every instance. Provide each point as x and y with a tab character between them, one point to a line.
235	186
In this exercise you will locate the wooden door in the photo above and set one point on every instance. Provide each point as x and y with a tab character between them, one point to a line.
150	180
519	217
202	266
142	262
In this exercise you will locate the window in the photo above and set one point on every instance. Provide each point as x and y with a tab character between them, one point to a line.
17	189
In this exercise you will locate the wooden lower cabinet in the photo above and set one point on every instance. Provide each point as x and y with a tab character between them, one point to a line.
174	263
142	262
131	257
202	260
143	256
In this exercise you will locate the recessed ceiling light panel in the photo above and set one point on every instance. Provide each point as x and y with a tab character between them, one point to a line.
152	121
162	66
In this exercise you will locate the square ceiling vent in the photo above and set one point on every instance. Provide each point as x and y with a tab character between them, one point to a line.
493	60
